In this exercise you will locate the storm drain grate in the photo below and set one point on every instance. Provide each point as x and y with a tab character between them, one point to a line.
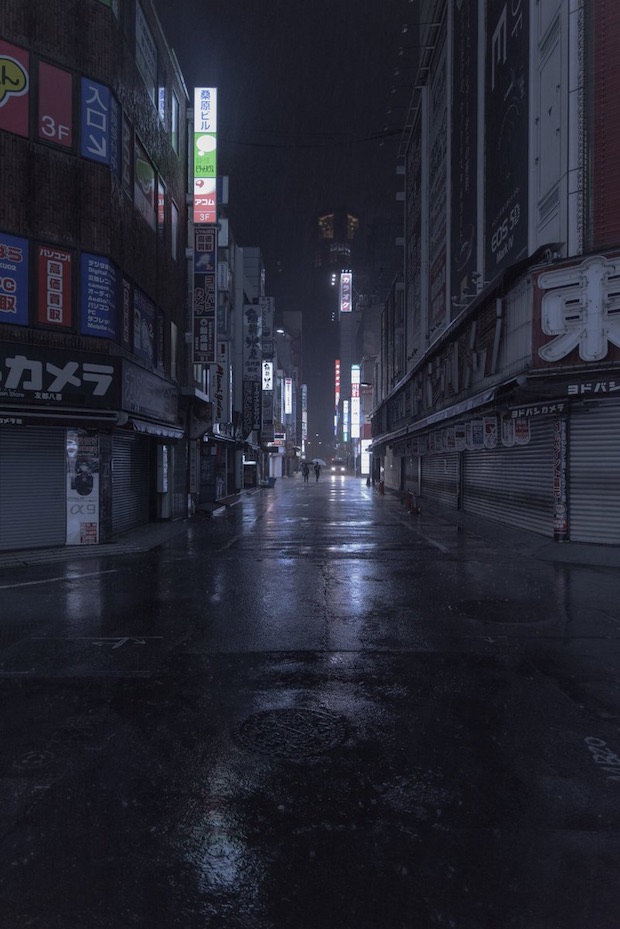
292	733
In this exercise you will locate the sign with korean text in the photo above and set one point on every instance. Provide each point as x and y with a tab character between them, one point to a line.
98	296
55	117
33	375
205	294
13	280
14	88
54	293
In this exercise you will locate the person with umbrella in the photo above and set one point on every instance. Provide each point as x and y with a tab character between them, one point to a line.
317	469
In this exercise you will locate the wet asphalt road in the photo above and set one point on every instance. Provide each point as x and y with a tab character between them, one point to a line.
310	712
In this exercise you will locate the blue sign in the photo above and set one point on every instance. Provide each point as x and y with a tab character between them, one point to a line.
98	297
13	280
96	122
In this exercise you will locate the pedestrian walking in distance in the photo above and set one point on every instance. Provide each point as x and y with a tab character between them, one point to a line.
317	470
305	470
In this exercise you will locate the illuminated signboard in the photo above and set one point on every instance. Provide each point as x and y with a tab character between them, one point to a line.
267	375
337	381
355	401
288	396
205	154
346	292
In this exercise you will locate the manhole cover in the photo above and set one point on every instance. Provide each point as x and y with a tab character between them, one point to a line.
290	733
498	611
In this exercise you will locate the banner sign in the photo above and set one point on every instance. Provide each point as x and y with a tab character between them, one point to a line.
98	296
35	375
54	276
506	134
13	280
205	294
252	342
205	154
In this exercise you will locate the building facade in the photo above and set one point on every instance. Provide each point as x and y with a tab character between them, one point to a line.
93	273
498	388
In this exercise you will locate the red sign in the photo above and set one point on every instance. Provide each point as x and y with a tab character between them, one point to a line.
54	306
14	88
55	105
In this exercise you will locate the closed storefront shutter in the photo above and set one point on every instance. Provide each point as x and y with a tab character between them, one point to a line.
130	482
513	484
593	474
32	488
440	478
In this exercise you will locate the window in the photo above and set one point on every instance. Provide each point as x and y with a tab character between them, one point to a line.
161	208
352	226
174	341
326	226
174	132
174	231
146	54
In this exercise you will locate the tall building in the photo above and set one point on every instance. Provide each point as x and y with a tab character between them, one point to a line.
93	282
498	388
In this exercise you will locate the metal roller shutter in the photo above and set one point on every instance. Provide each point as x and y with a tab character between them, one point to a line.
593	467
440	478
130	482
33	477
513	485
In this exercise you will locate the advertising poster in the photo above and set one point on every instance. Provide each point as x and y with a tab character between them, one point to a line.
82	488
477	434
14	89
54	278
507	139
13	280
98	296
143	326
464	146
55	105
508	431
522	430
144	185
490	431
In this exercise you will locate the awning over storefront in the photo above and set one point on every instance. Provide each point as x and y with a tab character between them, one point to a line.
158	429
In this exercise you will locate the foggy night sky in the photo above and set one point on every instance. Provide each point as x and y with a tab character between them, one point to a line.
303	92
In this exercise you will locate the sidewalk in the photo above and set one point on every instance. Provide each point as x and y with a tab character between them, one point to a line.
526	543
142	539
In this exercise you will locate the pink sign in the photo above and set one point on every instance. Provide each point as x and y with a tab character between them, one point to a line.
14	88
55	105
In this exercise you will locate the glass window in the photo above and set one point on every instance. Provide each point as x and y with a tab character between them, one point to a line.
174	137
326	226
146	54
174	231
174	336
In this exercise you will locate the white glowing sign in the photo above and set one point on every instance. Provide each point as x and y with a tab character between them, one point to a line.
346	292
355	401
205	154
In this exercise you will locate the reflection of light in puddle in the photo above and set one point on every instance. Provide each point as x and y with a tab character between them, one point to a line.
353	547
